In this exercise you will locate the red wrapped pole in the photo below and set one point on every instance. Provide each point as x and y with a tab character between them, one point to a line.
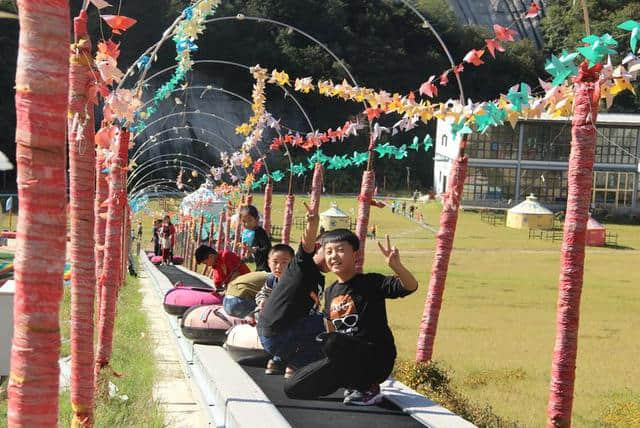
41	119
249	199
238	232
221	232
227	227
200	228
82	173
444	245
266	210
212	226
364	207
580	176
113	251
316	186
288	217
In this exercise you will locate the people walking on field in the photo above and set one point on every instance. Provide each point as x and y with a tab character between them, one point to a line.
411	211
404	208
374	231
155	237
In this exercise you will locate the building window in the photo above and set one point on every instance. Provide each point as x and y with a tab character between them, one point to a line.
549	186
500	142
444	141
617	145
613	188
489	184
544	141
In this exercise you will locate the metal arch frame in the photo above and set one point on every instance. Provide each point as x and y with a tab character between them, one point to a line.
142	191
140	150
137	185
222	119
287	93
147	162
185	165
157	181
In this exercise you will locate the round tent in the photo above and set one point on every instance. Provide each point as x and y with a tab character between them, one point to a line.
530	213
334	218
203	201
596	233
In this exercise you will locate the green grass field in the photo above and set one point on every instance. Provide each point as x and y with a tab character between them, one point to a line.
497	323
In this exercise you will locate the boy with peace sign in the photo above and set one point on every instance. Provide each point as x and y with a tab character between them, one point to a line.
359	347
289	322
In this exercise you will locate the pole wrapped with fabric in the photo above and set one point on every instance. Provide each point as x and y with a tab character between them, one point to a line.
238	232
288	218
82	173
444	245
580	176
41	120
200	228
249	200
113	251
266	208
221	232
316	186
367	188
212	226
227	227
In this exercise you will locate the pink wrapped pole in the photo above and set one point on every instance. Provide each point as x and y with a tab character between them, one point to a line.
221	235
316	186
100	216
238	233
82	173
113	252
41	118
227	227
580	176
266	210
211	228
440	267
364	207
288	217
200	227
249	199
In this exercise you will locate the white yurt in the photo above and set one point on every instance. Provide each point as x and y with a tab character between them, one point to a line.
334	218
530	213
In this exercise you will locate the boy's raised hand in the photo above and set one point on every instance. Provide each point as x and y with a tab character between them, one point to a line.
391	254
312	215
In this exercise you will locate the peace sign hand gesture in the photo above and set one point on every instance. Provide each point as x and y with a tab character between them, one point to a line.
312	215
391	254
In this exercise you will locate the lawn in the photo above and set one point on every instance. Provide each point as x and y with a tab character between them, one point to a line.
132	357
497	324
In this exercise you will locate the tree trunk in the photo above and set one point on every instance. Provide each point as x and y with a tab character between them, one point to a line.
82	172
444	245
580	176
41	119
288	216
266	210
364	207
113	251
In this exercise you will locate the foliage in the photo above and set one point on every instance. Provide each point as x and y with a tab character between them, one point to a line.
433	380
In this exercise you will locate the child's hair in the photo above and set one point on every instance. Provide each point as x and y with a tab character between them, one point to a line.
341	235
251	210
284	248
203	252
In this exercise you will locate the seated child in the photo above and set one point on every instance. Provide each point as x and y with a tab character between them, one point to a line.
226	265
286	328
359	348
240	296
279	258
256	238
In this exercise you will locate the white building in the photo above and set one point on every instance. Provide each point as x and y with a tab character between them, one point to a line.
506	164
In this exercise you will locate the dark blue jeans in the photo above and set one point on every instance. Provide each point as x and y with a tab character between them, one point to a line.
297	345
237	307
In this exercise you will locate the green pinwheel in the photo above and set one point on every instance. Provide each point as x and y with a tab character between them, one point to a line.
359	158
427	142
401	152
461	128
298	169
562	67
277	176
599	47
415	143
518	98
634	27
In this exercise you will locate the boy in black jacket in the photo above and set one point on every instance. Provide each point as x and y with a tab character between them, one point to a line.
359	348
259	244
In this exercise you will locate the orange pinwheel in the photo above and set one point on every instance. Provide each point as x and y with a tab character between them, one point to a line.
494	45
110	48
473	57
428	88
533	11
118	23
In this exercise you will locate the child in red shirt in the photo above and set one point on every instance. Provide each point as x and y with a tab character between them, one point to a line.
226	265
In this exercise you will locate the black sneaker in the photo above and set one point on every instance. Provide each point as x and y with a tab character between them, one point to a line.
370	397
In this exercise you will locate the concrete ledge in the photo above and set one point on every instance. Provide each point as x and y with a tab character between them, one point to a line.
244	402
420	408
231	397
